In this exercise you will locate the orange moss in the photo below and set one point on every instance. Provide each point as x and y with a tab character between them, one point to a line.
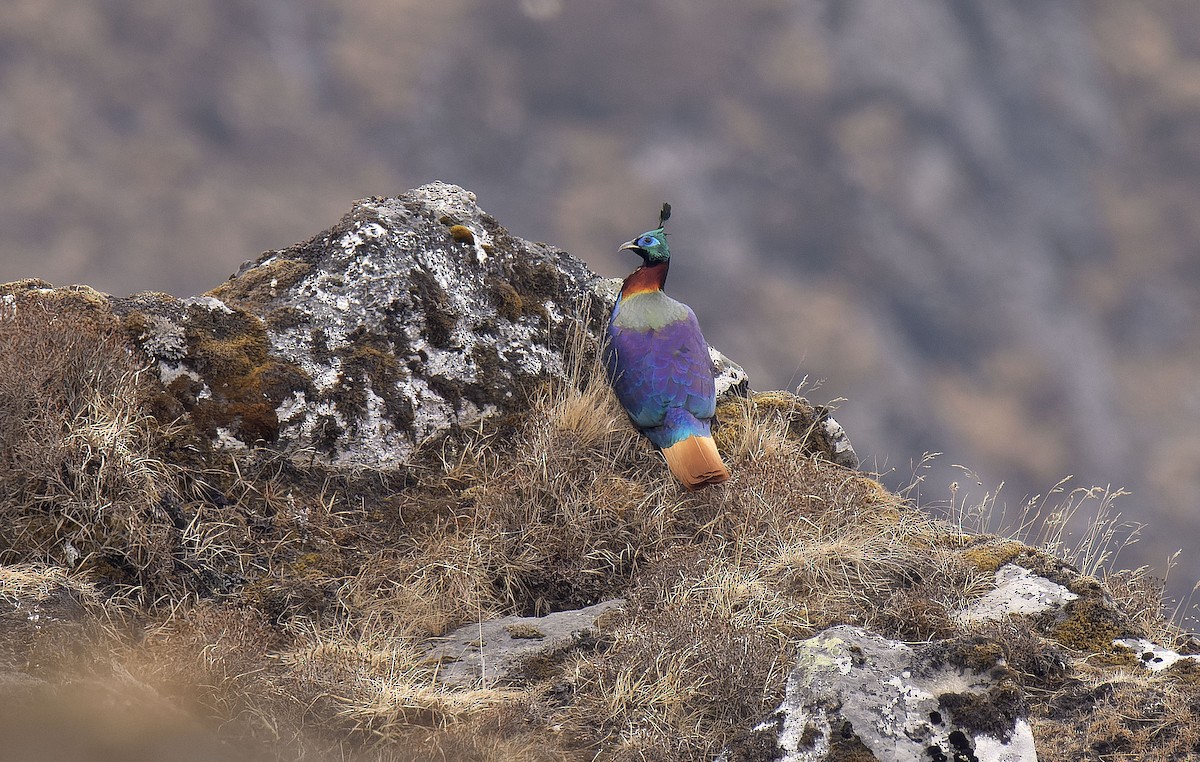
991	556
1090	626
462	234
509	304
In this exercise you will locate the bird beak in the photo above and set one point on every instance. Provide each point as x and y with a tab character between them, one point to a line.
630	245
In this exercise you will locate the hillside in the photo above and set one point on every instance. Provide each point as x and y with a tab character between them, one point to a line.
971	219
371	498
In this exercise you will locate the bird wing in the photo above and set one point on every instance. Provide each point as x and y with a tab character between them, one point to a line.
656	369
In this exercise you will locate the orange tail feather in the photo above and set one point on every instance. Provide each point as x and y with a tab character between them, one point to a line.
696	462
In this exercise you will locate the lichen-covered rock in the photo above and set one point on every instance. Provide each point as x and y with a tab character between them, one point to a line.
410	316
1018	591
1153	656
854	695
1065	608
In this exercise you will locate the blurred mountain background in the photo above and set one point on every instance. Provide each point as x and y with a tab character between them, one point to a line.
977	222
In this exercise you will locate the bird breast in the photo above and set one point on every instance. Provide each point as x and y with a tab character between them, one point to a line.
649	311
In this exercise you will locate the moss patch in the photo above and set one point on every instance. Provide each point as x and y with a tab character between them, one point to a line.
82	307
989	556
492	384
978	654
846	746
462	234
535	283
993	712
1091	625
230	352
524	632
434	303
368	362
284	318
761	745
507	301
260	284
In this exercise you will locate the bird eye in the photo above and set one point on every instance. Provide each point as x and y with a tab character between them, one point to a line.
647	240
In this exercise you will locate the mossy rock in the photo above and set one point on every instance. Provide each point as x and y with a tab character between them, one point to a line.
259	285
801	420
228	349
990	553
1090	624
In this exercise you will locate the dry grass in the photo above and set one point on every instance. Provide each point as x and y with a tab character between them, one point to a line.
80	486
1081	525
1124	715
325	591
34	583
1112	708
572	508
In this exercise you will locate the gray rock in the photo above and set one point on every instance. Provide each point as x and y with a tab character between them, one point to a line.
496	651
731	377
841	451
410	317
852	691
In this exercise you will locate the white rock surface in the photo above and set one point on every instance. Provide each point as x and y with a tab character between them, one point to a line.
1153	656
486	653
1018	591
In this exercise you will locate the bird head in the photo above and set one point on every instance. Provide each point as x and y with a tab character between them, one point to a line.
651	246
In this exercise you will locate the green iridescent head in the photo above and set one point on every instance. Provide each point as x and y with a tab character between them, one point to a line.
651	246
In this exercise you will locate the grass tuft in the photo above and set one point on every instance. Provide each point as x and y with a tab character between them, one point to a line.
81	486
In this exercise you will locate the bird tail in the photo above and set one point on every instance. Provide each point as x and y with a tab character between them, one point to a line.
696	462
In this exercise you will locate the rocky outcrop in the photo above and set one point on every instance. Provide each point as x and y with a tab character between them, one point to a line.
380	603
1018	591
853	694
411	317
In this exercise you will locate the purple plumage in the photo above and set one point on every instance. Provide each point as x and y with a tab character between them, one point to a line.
660	369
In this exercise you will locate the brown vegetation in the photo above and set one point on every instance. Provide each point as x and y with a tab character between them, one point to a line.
290	610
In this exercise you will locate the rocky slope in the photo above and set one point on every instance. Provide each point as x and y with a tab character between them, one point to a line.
371	498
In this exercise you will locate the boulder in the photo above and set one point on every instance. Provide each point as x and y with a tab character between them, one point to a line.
1018	591
852	692
411	316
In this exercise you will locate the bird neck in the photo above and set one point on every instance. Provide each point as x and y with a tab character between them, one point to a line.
645	279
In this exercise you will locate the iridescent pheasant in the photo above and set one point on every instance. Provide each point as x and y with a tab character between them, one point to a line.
659	365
